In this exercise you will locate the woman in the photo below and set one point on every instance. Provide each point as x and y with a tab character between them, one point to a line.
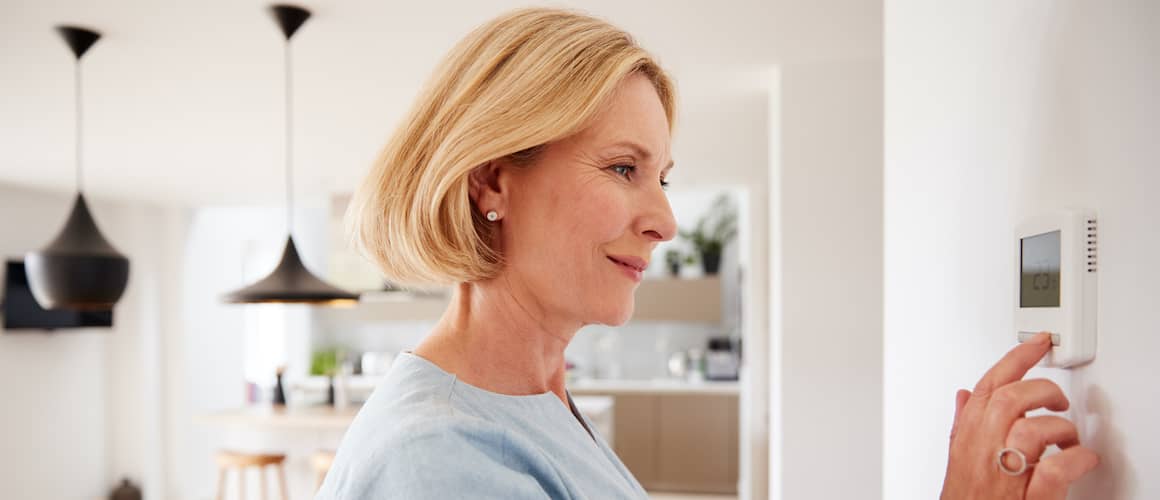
531	176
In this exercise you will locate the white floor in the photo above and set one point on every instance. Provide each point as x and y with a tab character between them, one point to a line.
688	496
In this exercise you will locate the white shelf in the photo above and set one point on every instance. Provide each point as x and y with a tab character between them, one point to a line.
393	306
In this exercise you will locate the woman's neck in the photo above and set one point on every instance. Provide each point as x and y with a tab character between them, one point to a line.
496	338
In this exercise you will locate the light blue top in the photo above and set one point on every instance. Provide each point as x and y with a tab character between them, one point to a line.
423	434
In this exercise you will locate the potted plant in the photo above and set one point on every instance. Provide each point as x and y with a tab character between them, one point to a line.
325	363
715	230
673	259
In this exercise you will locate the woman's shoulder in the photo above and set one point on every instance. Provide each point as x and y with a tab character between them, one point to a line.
409	442
409	400
439	455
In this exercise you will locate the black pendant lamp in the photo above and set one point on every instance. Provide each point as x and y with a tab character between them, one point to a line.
291	282
79	269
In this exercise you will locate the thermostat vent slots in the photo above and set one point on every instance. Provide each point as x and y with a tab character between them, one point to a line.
1091	246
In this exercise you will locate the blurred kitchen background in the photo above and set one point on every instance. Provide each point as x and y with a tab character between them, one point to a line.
183	168
871	157
664	388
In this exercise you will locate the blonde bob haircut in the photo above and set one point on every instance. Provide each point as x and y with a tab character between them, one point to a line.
515	84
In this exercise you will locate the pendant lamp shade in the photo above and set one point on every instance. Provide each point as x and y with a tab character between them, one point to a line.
79	269
291	282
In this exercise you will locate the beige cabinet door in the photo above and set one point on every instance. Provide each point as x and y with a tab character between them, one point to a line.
634	420
679	442
697	446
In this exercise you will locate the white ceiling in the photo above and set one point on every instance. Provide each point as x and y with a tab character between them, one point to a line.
183	99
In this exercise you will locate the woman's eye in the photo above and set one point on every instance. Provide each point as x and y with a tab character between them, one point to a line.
623	170
626	171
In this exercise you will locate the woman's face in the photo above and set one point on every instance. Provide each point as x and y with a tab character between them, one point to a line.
582	221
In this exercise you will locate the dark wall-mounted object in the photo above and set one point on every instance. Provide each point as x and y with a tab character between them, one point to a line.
21	311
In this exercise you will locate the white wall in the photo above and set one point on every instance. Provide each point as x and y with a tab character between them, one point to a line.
827	275
84	402
995	111
147	317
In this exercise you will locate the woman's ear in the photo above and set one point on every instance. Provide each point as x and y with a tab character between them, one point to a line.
485	188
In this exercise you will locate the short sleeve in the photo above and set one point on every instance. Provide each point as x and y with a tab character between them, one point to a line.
448	457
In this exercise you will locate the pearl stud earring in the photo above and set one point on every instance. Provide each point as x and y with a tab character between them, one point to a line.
492	215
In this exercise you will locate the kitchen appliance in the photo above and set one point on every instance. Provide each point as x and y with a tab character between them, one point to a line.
723	361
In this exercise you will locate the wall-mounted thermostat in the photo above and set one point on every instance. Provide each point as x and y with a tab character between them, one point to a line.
1056	271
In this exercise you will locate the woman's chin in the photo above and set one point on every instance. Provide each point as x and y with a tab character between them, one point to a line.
618	316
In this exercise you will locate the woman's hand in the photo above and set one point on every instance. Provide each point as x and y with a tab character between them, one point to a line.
993	418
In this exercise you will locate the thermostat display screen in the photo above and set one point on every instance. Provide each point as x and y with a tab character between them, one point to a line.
1039	270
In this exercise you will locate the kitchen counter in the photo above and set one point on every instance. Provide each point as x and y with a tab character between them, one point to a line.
360	387
322	417
284	417
656	386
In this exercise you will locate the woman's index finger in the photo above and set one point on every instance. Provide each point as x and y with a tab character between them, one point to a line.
1014	364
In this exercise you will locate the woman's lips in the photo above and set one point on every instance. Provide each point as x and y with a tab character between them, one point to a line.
633	267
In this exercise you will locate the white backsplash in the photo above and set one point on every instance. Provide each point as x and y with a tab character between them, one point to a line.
636	350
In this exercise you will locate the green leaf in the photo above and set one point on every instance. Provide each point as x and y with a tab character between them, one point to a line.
324	362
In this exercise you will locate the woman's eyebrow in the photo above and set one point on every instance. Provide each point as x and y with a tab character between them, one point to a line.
641	152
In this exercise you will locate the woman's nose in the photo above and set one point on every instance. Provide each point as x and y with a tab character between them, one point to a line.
658	223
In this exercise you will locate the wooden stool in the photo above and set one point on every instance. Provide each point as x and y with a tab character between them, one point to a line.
322	461
236	460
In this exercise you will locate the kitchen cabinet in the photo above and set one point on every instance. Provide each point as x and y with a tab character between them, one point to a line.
671	299
635	431
679	442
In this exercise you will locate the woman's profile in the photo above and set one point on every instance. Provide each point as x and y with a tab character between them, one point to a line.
530	176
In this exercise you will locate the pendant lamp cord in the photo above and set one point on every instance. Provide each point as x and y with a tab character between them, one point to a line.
289	157
79	143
